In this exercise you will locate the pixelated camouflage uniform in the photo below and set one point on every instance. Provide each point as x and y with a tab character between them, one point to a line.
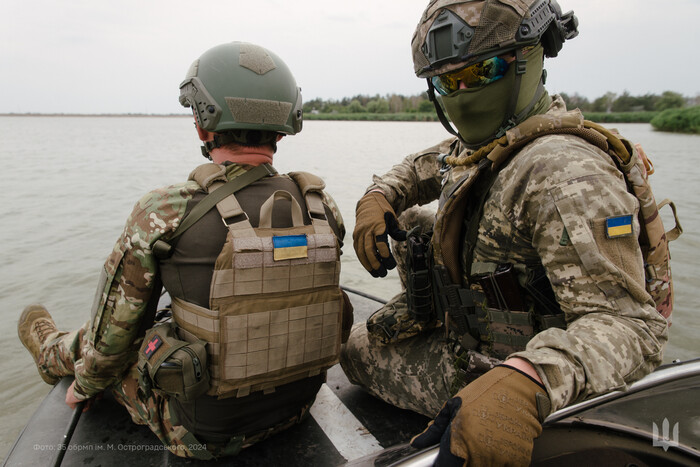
548	206
103	353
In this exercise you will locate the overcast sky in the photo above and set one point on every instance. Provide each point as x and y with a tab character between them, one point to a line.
129	56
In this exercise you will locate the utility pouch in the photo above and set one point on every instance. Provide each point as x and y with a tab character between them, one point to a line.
509	324
419	289
502	289
171	366
455	305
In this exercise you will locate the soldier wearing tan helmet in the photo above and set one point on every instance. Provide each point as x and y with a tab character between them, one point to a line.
248	256
527	291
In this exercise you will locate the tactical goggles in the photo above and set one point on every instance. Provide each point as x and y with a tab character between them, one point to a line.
475	75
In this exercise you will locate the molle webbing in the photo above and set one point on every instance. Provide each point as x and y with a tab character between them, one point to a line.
456	305
506	331
258	351
255	271
275	304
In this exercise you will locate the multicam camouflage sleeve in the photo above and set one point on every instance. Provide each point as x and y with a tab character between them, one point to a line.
125	288
560	194
414	181
333	208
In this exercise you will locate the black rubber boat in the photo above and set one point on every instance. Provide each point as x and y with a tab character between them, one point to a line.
655	422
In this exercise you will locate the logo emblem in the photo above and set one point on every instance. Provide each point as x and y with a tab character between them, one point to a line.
665	441
290	247
152	346
618	226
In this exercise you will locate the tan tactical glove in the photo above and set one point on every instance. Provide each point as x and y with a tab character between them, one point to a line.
375	220
492	421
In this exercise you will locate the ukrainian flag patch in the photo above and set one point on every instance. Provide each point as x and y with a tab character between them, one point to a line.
618	226
290	247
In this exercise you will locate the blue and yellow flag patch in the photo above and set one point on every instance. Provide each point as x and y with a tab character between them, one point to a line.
618	226
289	247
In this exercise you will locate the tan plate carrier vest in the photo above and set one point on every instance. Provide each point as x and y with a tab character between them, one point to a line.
275	313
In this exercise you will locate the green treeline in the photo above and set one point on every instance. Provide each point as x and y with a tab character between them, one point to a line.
362	107
678	120
609	108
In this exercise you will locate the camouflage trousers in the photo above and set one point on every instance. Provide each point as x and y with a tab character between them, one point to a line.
407	364
414	373
58	356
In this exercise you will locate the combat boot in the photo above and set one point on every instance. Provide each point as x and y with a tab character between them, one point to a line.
34	327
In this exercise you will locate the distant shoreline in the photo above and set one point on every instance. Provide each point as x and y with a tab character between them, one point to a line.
599	117
92	115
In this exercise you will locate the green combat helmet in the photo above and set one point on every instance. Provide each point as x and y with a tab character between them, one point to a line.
452	35
244	93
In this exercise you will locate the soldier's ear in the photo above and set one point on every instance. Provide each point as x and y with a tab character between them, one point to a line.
204	135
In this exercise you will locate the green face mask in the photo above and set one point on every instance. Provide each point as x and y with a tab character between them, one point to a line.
478	113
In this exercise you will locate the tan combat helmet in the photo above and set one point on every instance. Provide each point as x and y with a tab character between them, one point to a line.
454	34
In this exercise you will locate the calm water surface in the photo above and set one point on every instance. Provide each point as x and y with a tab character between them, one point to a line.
70	183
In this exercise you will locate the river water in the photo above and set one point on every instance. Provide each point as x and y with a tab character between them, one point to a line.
70	183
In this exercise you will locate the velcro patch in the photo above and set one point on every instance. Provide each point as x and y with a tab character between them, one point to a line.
618	226
290	247
152	346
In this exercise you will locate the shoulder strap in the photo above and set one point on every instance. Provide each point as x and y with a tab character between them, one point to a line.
162	248
217	195
487	176
311	187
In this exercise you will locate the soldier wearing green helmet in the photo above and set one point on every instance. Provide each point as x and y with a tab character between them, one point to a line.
225	245
246	101
527	291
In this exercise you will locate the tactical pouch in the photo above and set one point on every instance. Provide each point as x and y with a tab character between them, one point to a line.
502	289
419	290
171	366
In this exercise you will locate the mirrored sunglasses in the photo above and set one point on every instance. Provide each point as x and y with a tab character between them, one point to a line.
476	75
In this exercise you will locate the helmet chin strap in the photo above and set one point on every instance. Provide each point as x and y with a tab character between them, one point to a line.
511	119
441	115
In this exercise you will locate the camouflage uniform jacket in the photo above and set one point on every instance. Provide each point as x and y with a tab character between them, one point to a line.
548	206
128	281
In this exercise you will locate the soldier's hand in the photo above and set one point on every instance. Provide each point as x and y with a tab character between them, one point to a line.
74	402
375	220
492	421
